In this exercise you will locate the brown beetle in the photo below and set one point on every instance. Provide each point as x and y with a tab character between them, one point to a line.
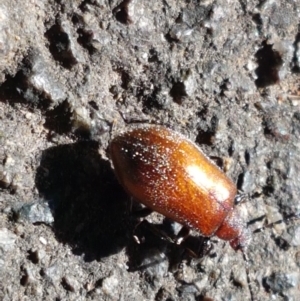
170	174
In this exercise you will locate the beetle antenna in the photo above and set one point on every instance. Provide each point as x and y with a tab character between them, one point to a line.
246	260
287	219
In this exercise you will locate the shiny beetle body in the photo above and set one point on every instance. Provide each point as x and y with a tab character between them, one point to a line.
170	174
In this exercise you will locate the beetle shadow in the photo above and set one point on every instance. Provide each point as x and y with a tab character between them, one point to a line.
87	202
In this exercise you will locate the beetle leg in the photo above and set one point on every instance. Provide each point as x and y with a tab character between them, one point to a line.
141	212
154	230
136	210
182	235
241	197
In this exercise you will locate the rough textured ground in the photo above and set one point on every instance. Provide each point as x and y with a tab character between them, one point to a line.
73	74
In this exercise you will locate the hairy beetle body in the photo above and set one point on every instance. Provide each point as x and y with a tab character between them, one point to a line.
170	174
